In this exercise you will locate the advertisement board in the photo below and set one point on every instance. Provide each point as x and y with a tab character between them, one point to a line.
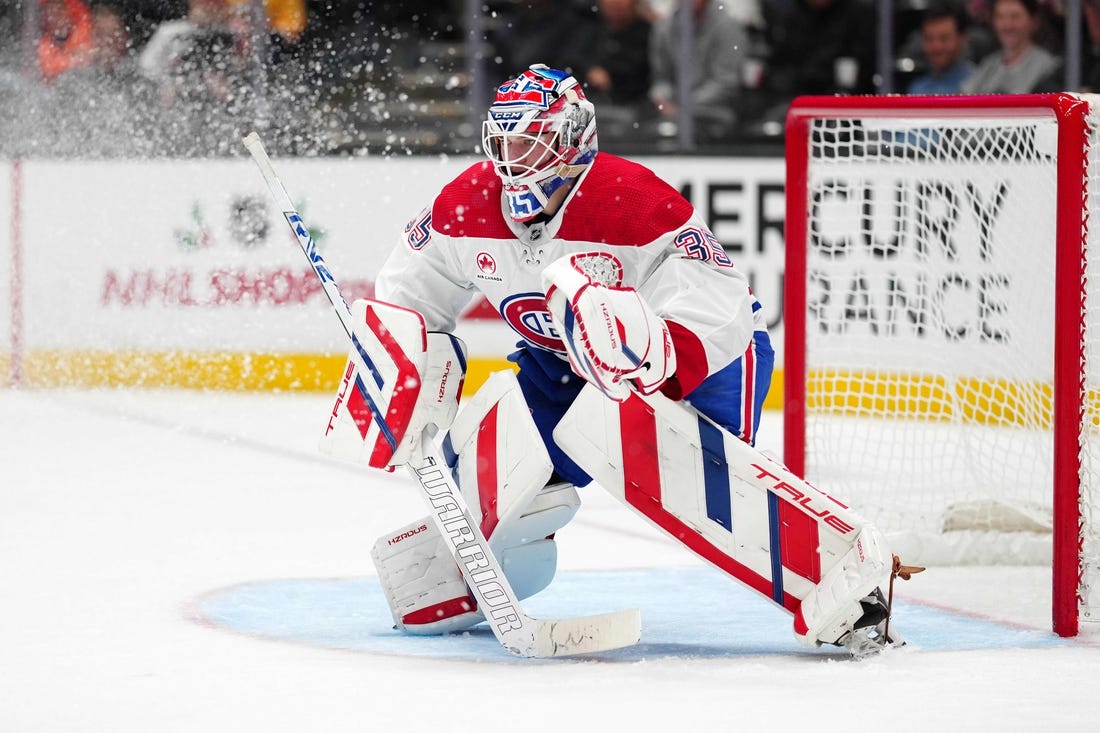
159	261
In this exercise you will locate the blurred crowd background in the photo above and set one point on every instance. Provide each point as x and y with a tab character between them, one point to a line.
185	78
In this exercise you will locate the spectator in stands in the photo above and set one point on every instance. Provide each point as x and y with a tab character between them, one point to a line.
285	18
200	71
283	22
111	39
717	57
981	40
172	42
142	17
1090	47
943	42
113	75
1050	34
66	40
124	118
619	73
102	99
558	33
820	47
749	13
1020	66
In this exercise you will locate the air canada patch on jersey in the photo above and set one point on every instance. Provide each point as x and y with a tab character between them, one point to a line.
487	267
528	316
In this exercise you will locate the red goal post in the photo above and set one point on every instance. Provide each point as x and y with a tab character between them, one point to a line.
941	336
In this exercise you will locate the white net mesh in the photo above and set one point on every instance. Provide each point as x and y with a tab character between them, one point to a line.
930	311
1090	392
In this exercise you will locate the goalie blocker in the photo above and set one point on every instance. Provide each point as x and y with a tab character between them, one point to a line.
419	374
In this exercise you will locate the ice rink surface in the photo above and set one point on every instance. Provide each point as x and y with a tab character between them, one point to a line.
182	561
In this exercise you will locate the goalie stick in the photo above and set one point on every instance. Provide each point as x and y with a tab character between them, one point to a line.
515	630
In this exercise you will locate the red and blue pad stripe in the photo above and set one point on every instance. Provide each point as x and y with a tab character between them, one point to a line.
717	495
496	455
484	453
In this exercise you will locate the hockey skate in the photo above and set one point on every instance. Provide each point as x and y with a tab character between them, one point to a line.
871	632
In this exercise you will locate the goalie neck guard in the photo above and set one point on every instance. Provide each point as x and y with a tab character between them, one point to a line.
540	133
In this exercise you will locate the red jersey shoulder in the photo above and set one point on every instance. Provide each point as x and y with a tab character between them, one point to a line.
623	202
469	206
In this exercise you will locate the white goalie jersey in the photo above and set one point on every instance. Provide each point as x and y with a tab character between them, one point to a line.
466	242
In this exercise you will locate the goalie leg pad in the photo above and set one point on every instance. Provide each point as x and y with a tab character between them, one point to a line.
733	506
499	460
502	469
425	589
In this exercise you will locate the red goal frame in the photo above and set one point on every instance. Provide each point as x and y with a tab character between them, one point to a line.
1071	113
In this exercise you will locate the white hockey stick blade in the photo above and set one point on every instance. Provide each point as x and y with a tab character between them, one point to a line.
588	634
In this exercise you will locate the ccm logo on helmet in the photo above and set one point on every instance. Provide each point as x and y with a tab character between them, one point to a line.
527	315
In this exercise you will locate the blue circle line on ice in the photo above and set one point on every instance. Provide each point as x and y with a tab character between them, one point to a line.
687	612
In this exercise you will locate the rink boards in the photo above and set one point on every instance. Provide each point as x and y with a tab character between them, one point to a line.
180	272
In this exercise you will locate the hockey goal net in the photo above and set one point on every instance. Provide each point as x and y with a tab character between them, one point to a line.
942	341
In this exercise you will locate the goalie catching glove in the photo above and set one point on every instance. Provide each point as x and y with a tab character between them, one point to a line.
612	336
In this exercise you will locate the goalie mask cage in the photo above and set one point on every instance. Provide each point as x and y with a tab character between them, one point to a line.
942	341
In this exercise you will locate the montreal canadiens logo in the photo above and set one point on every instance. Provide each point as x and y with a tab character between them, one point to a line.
527	315
486	263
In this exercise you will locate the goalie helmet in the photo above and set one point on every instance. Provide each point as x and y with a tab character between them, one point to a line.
540	133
